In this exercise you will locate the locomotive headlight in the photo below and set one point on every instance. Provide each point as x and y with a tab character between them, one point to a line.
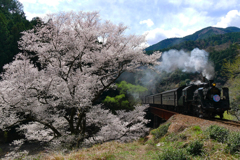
214	84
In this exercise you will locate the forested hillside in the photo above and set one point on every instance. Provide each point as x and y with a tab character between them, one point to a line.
207	35
12	23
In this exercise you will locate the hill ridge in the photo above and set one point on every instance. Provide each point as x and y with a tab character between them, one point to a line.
201	34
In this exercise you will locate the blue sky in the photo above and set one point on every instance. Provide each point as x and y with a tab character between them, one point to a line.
161	19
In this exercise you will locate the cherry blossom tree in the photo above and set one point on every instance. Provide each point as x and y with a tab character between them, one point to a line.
80	56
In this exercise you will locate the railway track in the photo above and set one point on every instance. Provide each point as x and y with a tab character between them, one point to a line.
228	122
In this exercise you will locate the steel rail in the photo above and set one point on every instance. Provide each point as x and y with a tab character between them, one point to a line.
228	122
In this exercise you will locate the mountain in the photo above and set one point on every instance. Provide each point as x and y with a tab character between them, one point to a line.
166	43
201	34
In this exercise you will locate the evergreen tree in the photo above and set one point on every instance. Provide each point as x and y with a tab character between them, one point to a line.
12	23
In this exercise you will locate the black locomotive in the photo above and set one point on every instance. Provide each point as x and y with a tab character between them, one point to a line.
202	100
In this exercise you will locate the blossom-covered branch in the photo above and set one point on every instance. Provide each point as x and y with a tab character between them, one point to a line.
80	56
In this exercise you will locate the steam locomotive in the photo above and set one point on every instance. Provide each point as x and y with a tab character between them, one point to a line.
201	100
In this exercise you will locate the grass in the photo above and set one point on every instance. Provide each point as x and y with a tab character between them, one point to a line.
226	115
192	143
160	131
108	151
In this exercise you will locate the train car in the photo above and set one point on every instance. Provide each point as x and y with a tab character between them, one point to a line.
203	100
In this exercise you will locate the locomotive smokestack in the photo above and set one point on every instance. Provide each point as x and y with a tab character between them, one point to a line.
210	82
204	79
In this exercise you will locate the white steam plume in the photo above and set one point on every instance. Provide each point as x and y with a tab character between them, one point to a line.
195	61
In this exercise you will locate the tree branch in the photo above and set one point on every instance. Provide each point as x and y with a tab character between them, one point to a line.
106	86
48	125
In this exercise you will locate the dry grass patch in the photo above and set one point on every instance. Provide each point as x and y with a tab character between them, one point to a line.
105	151
215	150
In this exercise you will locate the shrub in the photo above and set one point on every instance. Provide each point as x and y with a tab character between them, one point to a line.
160	131
195	147
218	133
142	140
183	136
197	128
233	142
172	137
173	154
150	142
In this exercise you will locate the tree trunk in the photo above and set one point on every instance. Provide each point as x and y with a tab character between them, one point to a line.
81	126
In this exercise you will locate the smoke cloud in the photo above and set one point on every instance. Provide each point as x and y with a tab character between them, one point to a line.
195	61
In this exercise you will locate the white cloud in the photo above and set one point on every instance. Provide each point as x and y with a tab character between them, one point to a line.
40	8
179	25
176	2
187	20
231	19
29	15
27	1
158	34
201	4
225	4
154	36
205	5
149	22
191	17
45	2
161	19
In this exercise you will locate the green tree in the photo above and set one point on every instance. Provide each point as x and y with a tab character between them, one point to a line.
232	70
129	95
3	38
12	6
12	23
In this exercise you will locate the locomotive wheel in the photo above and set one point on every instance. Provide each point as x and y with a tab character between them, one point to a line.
196	111
200	111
